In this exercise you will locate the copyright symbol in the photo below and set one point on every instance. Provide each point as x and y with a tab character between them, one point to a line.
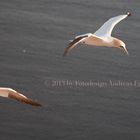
47	83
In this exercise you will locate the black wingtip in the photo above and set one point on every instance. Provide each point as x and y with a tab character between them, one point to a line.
65	52
129	14
34	103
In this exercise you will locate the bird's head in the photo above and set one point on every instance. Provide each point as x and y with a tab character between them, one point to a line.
121	45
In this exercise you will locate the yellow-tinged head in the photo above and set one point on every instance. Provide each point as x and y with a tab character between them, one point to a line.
120	44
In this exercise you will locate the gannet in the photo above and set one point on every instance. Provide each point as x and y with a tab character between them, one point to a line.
11	93
102	37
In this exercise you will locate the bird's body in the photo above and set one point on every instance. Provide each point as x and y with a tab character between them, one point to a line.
97	41
11	93
102	37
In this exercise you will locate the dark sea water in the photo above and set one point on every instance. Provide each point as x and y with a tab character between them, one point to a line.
92	94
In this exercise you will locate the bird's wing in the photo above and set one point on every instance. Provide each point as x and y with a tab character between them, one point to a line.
73	44
107	27
20	97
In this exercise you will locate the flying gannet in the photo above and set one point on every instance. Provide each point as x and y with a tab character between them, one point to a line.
10	93
102	37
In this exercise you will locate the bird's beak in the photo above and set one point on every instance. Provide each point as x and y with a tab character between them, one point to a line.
124	49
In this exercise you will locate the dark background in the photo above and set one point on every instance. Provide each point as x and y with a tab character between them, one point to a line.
33	36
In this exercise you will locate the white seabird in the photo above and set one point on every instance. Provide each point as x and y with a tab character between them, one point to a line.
102	37
10	93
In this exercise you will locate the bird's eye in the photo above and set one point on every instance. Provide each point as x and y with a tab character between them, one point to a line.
121	46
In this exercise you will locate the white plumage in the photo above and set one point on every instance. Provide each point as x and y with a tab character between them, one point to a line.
10	93
102	37
107	27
